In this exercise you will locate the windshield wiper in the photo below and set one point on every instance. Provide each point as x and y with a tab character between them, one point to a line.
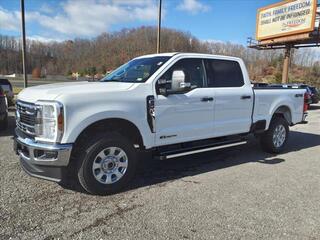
112	80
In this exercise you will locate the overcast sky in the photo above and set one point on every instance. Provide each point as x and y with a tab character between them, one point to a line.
217	20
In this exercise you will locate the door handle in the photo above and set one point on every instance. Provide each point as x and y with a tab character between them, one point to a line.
246	97
207	99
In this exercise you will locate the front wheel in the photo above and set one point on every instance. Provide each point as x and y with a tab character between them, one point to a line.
275	139
107	165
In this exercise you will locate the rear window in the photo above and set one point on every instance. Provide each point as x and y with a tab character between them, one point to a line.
6	88
4	81
224	73
6	85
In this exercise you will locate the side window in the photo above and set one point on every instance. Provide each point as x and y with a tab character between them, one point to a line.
193	70
223	73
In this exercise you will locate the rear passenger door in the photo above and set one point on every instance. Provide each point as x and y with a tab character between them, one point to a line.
233	101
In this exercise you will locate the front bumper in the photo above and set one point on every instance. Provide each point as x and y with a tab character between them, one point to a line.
43	160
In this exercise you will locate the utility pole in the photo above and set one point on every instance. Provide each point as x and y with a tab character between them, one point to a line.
286	64
159	27
23	35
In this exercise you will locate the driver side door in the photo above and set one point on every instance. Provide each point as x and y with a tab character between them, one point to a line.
185	116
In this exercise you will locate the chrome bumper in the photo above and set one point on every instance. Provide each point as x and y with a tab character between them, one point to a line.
304	117
42	154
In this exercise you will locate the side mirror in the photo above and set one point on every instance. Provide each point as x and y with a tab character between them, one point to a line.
178	83
163	87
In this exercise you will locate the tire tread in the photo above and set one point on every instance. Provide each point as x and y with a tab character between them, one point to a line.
83	159
266	141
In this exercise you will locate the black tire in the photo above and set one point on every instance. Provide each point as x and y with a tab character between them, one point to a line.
88	154
266	139
4	123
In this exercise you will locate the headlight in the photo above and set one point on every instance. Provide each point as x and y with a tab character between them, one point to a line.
49	122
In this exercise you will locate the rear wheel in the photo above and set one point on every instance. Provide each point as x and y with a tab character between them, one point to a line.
275	139
107	165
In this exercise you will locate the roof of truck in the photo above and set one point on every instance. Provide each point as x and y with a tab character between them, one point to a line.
159	55
205	55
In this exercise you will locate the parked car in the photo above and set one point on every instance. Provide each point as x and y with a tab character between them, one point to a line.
3	110
8	90
170	105
315	95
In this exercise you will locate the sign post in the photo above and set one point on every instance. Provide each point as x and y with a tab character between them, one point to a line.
159	27
23	36
286	64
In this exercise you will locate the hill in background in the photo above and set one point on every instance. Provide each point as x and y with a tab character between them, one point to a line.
110	50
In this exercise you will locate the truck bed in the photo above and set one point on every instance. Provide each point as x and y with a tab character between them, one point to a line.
269	99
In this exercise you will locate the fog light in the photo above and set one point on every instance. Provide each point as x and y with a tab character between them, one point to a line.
45	155
51	154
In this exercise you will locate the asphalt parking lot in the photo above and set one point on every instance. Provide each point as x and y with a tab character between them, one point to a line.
239	193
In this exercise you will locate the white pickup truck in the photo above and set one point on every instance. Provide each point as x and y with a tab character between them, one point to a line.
170	104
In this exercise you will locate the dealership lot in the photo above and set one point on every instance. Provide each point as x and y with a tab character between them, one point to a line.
236	193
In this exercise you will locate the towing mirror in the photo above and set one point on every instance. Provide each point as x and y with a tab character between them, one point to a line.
178	81
163	86
176	85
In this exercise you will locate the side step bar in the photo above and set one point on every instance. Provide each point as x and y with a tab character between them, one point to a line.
194	150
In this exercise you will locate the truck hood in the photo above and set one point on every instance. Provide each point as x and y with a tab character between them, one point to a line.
53	91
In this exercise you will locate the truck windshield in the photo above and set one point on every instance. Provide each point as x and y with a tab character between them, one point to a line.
137	70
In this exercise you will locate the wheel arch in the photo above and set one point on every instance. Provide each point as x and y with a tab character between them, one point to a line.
283	111
123	126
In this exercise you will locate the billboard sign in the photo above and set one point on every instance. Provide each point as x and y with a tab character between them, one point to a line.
286	18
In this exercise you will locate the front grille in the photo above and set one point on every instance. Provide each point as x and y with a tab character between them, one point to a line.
26	117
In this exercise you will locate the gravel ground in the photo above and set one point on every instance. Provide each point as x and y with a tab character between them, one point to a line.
239	193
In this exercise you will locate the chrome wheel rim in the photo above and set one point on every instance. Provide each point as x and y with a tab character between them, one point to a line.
110	165
279	136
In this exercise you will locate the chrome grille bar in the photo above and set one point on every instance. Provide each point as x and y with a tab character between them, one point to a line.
26	117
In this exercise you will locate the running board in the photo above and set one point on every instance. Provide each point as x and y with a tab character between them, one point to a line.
174	154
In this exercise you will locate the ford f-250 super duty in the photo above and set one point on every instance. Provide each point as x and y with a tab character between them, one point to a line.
171	104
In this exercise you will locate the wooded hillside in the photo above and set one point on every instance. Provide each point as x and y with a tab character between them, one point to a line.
109	50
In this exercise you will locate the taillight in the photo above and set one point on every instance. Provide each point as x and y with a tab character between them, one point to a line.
305	102
1	94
